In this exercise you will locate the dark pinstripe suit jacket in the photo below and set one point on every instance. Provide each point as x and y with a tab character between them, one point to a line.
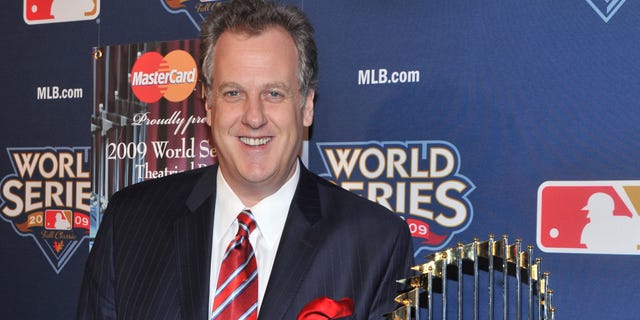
151	257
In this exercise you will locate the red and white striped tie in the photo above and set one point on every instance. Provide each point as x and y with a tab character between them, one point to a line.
236	294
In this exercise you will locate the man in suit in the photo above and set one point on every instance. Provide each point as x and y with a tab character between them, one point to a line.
163	244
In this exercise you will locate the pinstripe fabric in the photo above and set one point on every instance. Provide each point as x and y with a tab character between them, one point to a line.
152	255
236	295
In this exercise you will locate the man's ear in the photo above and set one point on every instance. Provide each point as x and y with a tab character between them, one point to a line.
307	110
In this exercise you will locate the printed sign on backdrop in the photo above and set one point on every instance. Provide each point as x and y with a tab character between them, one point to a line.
52	11
149	123
606	8
419	180
47	198
196	11
589	217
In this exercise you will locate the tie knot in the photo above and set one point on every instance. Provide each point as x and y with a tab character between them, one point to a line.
246	222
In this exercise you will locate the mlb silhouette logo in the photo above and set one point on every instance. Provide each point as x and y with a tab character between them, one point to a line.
589	217
52	11
57	219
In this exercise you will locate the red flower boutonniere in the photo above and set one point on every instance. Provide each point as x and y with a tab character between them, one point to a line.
324	308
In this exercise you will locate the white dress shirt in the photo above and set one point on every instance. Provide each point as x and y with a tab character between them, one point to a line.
270	213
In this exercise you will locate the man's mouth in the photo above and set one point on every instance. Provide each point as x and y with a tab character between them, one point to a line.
254	141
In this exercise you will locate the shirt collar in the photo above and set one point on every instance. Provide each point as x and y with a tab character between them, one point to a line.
270	213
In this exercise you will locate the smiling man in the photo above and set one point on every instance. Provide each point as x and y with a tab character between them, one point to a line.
256	111
256	236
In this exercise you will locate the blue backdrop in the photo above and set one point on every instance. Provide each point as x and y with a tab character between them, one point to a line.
477	103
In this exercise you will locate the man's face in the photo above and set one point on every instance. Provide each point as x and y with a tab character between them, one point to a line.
255	111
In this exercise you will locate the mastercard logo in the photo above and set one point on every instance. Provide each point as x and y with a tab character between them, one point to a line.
173	76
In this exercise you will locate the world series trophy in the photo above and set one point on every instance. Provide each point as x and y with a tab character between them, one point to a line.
507	270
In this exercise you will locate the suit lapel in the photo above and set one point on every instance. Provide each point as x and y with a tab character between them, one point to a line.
193	233
296	250
298	246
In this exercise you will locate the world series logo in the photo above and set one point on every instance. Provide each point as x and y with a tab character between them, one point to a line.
195	10
47	198
419	180
606	9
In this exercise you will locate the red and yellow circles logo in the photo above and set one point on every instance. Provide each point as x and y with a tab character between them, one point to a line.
173	76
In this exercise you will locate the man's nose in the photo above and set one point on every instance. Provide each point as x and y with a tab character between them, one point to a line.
254	113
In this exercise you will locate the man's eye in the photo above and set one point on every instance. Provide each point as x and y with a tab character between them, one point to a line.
274	94
231	93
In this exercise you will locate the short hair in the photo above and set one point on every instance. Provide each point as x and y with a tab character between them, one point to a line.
254	17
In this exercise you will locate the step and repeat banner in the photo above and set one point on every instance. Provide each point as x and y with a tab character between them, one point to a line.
466	118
